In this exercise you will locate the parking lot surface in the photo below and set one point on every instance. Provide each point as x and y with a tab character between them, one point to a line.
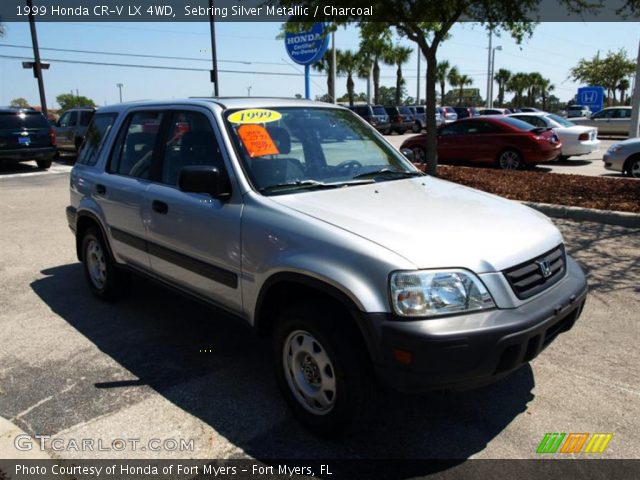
157	365
591	164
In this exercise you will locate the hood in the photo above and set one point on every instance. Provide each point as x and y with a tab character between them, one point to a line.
433	223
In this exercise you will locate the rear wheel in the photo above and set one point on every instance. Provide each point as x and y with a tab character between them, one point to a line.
44	164
633	168
510	160
417	128
323	371
105	279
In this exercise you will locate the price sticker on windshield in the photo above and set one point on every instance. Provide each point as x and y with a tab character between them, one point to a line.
257	141
254	115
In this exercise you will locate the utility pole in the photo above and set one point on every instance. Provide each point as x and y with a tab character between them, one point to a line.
120	85
249	90
489	80
418	81
214	58
333	67
635	101
37	67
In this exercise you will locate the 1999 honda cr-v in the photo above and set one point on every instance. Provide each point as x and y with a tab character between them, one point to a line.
302	220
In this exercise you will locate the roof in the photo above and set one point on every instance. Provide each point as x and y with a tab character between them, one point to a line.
17	110
223	102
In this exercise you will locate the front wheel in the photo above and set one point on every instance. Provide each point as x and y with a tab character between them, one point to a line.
633	170
510	160
419	155
416	128
322	369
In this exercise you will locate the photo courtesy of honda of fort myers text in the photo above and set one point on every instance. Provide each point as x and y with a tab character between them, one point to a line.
297	239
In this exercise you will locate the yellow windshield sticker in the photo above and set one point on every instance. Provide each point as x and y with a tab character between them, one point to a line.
254	115
257	141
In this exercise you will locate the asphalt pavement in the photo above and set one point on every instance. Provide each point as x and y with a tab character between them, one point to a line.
159	366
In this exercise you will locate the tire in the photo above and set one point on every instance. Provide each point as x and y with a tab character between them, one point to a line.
417	128
633	168
322	368
419	155
562	158
509	160
106	281
44	164
388	131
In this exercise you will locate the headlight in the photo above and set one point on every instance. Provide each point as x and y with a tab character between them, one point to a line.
614	148
426	293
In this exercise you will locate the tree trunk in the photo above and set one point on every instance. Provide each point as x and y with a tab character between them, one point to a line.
501	94
376	82
350	89
398	85
442	87
432	134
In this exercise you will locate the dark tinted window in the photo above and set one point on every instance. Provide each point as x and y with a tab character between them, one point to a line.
361	110
420	109
379	111
454	129
190	141
85	117
532	120
603	114
96	133
133	152
23	119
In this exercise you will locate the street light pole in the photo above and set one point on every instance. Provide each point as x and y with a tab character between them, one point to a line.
488	102
493	67
333	67
120	85
214	58
635	101
37	67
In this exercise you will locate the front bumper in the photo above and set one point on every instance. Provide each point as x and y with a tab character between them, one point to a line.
614	161
467	351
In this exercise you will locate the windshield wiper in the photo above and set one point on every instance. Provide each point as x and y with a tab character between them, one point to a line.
389	173
309	184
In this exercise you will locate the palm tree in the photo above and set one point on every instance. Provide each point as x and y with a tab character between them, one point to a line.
623	86
397	56
517	84
364	70
376	46
545	88
442	72
463	81
502	76
348	63
324	66
534	79
452	77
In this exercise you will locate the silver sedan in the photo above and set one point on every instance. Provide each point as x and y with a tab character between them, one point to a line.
624	157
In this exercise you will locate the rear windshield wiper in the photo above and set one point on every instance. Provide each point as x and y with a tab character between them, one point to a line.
308	184
389	173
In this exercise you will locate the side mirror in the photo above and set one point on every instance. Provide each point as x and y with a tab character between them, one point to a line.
205	179
408	153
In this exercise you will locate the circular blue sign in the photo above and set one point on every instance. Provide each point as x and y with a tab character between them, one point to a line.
307	47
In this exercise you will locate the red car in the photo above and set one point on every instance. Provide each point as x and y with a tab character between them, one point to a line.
502	141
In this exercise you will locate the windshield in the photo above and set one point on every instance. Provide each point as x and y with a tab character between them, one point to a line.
560	121
286	150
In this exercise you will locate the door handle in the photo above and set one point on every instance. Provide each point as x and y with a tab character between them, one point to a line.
159	207
101	189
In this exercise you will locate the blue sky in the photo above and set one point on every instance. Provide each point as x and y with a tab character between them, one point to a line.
553	50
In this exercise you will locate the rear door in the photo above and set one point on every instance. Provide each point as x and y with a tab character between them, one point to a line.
601	120
450	146
121	192
23	130
194	239
620	121
65	129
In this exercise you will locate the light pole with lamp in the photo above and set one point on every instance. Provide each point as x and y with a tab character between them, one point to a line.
493	66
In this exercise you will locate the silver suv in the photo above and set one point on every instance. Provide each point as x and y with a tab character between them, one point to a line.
301	220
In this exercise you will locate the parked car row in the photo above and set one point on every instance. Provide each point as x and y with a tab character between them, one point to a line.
398	119
26	134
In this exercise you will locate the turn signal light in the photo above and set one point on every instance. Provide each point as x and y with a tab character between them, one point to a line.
402	356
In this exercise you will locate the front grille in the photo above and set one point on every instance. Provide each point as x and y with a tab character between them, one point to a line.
528	279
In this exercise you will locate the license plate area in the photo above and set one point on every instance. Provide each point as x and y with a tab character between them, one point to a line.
24	140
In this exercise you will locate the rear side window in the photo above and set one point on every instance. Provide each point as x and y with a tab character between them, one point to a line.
96	133
85	117
362	111
379	111
23	119
519	124
405	111
133	153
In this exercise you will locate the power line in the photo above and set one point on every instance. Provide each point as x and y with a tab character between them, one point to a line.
141	55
